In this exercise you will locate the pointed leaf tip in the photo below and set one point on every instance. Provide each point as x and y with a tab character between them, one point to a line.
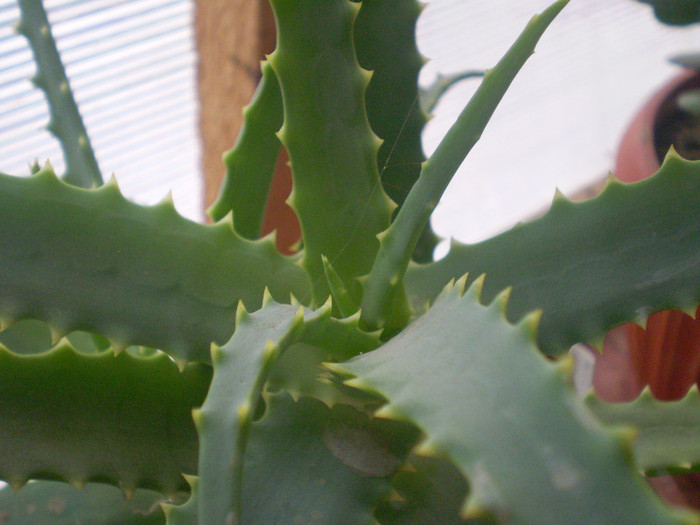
267	297
217	354
500	302
472	509
241	312
476	288
531	322
428	448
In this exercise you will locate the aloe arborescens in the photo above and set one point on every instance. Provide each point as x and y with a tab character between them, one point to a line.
345	383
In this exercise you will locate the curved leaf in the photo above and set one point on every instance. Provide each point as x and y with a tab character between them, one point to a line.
385	41
241	368
119	419
337	193
668	431
90	260
385	281
590	266
488	401
56	503
250	165
66	123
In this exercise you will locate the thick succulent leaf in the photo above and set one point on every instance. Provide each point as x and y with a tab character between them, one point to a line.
56	503
489	401
593	265
223	423
28	336
66	123
241	368
384	285
185	513
429	491
668	438
430	95
385	41
337	193
120	419
675	12
331	466
90	260
306	463
299	372
250	165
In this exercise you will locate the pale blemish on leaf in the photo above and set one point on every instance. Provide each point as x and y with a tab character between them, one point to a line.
360	450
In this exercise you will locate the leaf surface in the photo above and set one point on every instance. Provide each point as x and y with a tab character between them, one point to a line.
241	368
337	194
119	419
488	401
306	463
56	503
90	260
668	432
590	266
250	164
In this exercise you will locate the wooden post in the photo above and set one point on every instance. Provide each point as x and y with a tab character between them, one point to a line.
232	37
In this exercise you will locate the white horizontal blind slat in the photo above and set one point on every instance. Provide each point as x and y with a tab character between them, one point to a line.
132	66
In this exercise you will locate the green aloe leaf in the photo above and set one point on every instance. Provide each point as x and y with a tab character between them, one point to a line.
668	431
250	165
590	266
56	503
66	123
90	260
385	281
241	368
307	463
385	41
429	491
119	419
675	12
337	193
185	513
490	402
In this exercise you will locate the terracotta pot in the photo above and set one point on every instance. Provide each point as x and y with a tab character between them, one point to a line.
665	356
643	146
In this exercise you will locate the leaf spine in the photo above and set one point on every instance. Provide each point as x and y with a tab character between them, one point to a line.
388	411
241	313
428	448
530	323
267	297
217	354
476	288
500	302
472	509
243	412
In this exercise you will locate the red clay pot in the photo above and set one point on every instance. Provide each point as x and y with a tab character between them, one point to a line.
637	156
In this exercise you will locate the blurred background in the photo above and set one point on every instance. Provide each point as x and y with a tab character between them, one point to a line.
133	67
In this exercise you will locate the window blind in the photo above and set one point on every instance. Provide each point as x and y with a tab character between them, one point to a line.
132	67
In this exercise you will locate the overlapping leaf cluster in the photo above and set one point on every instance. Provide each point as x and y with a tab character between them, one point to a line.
216	381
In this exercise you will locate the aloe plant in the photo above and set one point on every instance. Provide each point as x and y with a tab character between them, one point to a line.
216	381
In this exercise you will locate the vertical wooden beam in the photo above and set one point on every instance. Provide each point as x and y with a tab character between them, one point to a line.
232	37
